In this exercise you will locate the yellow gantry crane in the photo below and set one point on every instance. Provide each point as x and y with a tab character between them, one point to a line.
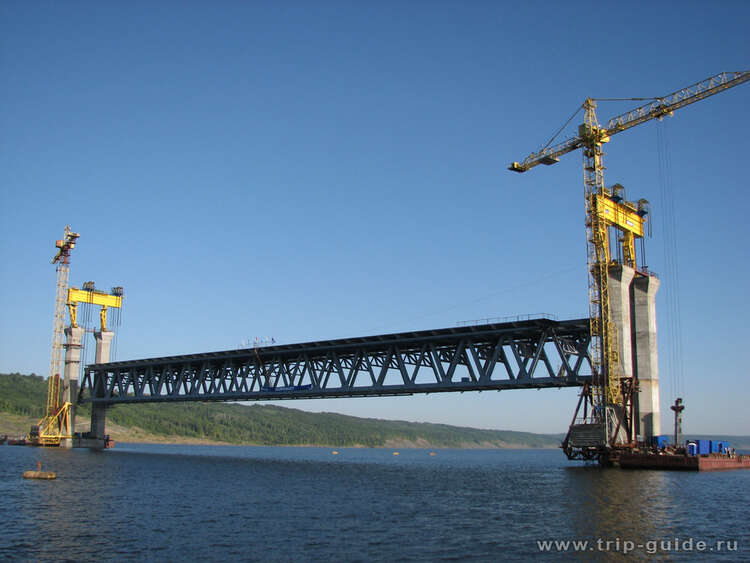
88	294
607	210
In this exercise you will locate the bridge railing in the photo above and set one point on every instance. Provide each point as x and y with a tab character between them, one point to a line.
508	319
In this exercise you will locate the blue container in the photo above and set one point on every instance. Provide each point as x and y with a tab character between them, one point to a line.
661	441
724	447
704	447
715	446
692	449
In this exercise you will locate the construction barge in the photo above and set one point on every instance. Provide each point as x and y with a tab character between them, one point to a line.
695	455
683	462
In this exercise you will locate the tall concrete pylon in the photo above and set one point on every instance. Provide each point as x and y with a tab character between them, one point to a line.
632	304
620	278
103	340
646	355
73	340
73	346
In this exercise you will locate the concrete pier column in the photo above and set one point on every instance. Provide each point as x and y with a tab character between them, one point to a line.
73	339
98	419
103	345
646	356
620	277
103	341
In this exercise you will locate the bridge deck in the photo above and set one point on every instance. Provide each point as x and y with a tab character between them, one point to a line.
524	354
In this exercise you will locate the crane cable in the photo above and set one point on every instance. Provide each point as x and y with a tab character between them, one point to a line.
671	254
564	125
86	352
117	319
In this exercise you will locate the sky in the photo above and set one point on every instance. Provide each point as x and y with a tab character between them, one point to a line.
317	170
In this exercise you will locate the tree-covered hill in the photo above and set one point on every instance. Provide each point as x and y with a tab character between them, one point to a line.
23	394
266	424
233	423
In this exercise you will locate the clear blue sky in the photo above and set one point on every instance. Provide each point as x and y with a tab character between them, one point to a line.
313	170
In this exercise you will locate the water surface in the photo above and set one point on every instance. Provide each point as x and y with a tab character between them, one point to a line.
227	503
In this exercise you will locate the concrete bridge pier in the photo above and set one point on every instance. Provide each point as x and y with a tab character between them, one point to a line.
620	279
103	346
96	435
73	339
632	305
646	356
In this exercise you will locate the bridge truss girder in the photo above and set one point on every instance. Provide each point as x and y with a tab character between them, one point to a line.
529	354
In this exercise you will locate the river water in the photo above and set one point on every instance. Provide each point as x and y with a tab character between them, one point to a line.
227	503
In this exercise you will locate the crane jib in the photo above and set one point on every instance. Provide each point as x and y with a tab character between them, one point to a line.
657	109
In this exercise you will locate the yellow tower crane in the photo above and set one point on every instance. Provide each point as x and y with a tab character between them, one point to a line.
56	422
606	210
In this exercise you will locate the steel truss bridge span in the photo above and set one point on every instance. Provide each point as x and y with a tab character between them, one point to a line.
529	354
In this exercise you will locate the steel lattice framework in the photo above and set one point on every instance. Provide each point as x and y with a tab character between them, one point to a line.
527	354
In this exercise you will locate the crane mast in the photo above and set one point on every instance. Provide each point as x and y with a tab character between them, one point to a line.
62	259
603	349
56	423
608	401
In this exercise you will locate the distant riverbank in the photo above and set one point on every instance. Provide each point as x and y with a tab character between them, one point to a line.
22	400
18	426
